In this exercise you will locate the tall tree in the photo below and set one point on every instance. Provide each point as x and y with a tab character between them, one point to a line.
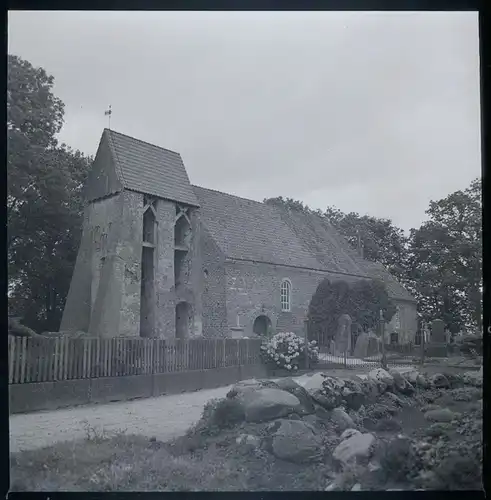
445	262
381	240
44	203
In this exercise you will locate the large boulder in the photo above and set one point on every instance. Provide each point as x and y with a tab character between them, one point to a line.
327	401
333	384
353	394
412	376
439	381
250	385
422	381
296	441
400	383
356	448
331	395
314	383
441	415
268	404
289	385
349	433
383	378
341	419
370	389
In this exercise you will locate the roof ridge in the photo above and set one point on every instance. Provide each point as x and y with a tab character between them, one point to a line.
141	140
114	154
228	194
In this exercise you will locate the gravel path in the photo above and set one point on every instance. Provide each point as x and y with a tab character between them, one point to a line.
164	417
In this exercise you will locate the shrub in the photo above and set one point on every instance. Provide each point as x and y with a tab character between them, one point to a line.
287	350
362	301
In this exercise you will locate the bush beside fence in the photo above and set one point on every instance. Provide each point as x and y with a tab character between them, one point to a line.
56	359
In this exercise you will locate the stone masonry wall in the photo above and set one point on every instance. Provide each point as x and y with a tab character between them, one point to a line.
164	271
116	224
214	296
253	289
191	288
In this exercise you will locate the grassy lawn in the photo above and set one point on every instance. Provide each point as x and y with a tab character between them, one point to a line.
209	458
134	463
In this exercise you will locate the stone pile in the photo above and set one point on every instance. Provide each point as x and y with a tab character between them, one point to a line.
324	420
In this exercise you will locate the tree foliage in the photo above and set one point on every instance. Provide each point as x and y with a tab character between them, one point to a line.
440	263
445	259
380	240
44	198
362	300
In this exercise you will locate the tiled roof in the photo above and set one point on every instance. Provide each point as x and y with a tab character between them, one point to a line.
150	169
250	230
254	231
394	288
330	249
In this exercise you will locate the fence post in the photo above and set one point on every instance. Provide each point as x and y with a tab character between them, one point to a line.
382	336
422	359
306	342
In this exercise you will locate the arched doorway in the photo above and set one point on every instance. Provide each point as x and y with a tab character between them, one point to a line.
183	320
261	326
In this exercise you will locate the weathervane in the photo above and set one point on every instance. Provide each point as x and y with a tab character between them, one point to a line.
108	114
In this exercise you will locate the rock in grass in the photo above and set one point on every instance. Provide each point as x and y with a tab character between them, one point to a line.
437	429
349	433
394	398
289	385
268	404
296	441
357	447
341	419
387	424
400	383
382	377
440	381
441	415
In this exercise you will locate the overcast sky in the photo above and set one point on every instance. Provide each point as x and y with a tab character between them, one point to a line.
372	112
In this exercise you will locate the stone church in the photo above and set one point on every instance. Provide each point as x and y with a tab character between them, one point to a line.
160	257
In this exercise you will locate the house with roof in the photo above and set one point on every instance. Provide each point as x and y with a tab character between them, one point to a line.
160	257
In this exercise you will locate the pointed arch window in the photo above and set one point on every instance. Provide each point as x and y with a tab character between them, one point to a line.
286	295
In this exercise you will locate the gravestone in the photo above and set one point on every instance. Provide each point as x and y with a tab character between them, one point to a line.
437	347
342	340
437	331
361	346
367	345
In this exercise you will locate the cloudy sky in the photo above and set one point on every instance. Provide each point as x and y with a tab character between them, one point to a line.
372	112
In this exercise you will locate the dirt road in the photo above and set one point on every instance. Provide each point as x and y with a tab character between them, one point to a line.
164	417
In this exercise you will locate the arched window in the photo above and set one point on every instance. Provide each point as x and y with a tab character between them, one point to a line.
285	295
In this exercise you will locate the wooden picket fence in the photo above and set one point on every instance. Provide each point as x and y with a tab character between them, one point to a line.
61	358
